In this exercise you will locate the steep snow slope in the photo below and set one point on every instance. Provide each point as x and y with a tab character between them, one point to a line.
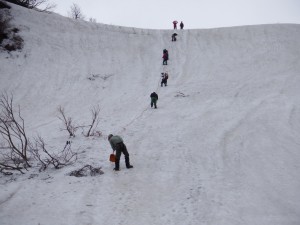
222	147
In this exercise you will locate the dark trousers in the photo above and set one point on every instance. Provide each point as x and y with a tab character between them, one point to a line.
165	62
121	148
153	102
163	81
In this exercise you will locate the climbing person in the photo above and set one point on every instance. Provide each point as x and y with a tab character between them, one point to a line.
154	98
167	54
165	57
175	24
164	79
174	37
118	145
181	25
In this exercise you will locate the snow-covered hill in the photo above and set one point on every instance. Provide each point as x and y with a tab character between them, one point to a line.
222	147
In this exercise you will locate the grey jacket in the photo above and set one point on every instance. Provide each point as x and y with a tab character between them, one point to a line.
114	140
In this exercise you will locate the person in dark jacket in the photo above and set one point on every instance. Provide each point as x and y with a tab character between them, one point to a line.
154	98
118	145
181	25
164	79
174	37
165	57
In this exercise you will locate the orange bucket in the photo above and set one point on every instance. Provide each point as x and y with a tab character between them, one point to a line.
112	158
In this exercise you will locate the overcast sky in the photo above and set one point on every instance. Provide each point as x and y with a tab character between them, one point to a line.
159	14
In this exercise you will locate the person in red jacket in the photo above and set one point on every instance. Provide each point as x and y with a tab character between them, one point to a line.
175	24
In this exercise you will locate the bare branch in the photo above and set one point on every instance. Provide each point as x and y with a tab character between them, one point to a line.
63	158
34	4
68	123
95	120
87	170
12	129
76	13
10	161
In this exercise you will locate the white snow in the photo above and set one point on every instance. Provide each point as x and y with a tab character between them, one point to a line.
221	149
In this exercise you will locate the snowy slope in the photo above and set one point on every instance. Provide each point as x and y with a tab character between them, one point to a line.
222	147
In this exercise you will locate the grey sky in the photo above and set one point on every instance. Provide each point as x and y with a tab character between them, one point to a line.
159	14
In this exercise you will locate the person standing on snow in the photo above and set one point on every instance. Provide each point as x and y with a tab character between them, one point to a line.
174	37
164	79
181	25
165	57
167	53
118	145
175	24
154	98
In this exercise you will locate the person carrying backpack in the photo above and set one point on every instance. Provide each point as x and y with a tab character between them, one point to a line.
154	99
164	79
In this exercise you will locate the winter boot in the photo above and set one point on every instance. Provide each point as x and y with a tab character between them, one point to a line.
117	165
128	166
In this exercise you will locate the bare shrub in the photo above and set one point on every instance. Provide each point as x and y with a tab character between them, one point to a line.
16	43
76	13
9	162
93	20
57	160
67	121
34	4
12	130
9	39
87	170
95	121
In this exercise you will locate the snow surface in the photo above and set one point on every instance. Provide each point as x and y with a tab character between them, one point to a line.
221	149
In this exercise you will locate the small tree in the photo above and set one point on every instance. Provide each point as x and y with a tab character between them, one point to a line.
95	121
93	20
12	130
68	122
86	171
76	13
9	39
